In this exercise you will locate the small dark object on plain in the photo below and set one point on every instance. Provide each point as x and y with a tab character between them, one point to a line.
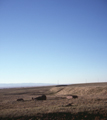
21	99
43	97
72	96
70	104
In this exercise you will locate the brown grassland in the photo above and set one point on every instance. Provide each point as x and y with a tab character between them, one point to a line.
91	103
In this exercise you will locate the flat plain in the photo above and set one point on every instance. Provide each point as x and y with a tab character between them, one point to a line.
91	103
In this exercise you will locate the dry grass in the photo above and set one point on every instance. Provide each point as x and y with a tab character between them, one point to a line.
92	100
80	90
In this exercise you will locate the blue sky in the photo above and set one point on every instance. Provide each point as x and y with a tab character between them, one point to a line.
51	41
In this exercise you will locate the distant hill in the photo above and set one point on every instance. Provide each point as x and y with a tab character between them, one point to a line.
80	89
18	85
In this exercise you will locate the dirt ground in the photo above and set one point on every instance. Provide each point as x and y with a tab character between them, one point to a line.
91	103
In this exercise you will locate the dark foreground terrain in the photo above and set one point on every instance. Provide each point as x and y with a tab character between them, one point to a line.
90	103
62	116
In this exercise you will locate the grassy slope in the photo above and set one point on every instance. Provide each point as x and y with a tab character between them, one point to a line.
81	89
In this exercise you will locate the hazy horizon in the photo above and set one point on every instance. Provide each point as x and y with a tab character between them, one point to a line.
20	85
24	85
53	41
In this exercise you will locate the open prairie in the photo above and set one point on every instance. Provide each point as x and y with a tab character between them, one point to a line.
90	103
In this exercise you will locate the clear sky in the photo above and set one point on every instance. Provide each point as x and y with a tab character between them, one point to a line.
51	41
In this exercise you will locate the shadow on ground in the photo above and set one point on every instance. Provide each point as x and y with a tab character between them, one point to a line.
62	116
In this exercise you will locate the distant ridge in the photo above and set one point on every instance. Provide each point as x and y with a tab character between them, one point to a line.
18	85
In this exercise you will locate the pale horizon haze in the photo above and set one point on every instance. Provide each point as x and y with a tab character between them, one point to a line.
53	41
